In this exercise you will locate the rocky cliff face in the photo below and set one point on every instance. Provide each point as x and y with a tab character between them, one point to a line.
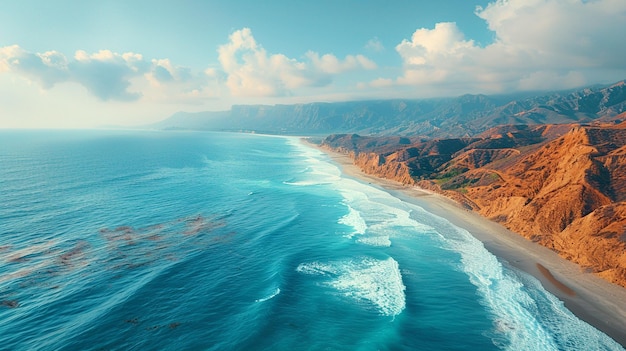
568	196
561	186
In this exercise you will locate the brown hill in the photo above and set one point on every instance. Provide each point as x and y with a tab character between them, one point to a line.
561	186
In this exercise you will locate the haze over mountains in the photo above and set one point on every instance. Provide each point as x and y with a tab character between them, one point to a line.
435	118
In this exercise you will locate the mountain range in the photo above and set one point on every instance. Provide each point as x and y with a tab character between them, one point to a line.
465	115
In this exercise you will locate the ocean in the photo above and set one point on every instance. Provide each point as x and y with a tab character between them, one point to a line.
146	240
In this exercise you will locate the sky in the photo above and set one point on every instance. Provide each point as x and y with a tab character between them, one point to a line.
91	63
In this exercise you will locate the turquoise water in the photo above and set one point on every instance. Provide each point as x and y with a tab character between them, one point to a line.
114	240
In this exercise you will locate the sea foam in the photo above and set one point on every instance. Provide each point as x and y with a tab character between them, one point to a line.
353	219
521	309
376	282
375	240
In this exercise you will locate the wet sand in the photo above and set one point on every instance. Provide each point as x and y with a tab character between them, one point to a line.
590	298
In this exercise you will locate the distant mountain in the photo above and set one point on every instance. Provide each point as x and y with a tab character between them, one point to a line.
195	121
465	115
563	186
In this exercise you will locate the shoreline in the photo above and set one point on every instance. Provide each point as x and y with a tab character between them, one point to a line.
589	297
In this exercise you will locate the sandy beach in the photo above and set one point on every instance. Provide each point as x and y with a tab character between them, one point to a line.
590	298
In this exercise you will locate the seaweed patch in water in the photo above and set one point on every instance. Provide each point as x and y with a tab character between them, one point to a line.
10	303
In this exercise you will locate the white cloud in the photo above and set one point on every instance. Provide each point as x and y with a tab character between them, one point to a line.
381	83
539	44
111	76
104	74
165	82
431	45
163	71
375	45
47	69
573	33
331	64
251	71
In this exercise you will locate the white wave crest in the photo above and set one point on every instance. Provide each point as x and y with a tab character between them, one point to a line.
316	268
353	219
377	282
304	183
270	296
376	240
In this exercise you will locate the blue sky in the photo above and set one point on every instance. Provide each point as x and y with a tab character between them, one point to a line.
75	64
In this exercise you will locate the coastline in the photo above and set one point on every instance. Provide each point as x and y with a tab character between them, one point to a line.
589	297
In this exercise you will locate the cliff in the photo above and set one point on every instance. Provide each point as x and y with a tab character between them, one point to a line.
562	186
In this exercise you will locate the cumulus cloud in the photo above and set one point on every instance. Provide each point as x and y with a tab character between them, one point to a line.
105	74
163	71
331	64
251	71
431	45
539	44
110	76
568	32
48	68
166	82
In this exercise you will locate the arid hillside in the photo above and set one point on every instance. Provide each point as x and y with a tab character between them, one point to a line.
563	186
